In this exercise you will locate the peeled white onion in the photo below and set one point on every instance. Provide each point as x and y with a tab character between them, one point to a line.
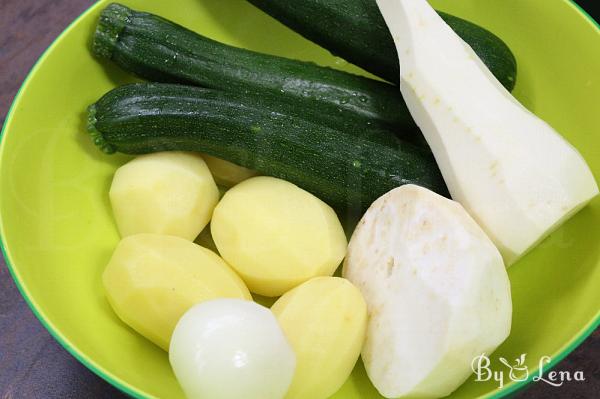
230	349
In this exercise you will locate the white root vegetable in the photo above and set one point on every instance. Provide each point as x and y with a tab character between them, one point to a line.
436	289
515	174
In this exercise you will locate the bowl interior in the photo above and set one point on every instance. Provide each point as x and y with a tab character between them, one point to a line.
58	230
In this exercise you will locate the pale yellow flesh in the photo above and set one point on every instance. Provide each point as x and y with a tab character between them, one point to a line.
169	193
276	235
152	280
325	321
226	173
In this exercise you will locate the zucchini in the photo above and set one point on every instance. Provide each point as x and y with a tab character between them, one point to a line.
345	170
161	51
355	30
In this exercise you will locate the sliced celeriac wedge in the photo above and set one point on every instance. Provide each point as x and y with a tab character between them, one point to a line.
436	289
513	172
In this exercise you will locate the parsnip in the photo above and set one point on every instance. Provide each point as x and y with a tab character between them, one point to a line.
513	172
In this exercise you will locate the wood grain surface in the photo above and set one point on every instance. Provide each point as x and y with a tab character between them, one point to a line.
32	363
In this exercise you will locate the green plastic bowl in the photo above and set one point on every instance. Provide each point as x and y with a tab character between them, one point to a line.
58	232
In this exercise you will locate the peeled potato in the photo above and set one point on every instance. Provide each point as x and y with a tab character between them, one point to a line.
152	280
169	193
226	173
276	235
325	321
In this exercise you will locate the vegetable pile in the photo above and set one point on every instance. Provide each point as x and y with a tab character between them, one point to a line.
265	160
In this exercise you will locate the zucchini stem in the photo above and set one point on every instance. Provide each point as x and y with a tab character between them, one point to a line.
97	137
111	23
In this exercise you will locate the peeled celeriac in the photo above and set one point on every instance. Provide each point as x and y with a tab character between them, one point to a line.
276	235
169	193
230	349
227	173
515	174
152	280
436	289
325	320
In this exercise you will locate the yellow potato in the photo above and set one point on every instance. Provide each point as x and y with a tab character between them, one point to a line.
152	280
164	193
227	173
276	235
325	321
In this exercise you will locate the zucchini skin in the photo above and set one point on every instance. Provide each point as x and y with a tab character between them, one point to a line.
345	170
161	51
355	31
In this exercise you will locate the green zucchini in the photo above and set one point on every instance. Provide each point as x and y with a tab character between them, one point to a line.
355	30
346	170
158	50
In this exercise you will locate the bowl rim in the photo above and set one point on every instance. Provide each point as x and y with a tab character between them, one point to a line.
509	389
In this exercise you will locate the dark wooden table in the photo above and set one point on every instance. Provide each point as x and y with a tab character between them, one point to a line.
32	363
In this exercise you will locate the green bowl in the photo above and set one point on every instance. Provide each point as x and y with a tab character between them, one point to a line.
58	232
